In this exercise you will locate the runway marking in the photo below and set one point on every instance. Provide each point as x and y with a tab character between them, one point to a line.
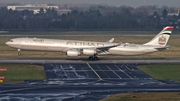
119	69
124	72
114	72
94	72
102	71
73	70
63	70
87	70
127	68
20	89
83	70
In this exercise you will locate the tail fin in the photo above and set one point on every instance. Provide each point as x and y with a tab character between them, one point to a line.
162	38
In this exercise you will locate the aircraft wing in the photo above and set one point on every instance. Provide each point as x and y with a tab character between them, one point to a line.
107	47
99	49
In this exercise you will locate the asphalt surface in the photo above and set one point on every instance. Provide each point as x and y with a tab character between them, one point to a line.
85	60
85	82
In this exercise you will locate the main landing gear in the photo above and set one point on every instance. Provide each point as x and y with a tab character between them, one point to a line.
93	58
19	52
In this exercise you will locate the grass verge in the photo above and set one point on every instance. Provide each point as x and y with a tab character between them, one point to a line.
175	96
162	71
17	73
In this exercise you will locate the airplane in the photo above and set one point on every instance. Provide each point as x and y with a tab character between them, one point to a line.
91	48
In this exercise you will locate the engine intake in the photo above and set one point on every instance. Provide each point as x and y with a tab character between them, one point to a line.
73	53
89	51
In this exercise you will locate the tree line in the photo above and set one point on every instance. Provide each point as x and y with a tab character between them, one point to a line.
95	18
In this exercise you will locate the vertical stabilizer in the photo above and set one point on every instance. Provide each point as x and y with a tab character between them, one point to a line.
162	38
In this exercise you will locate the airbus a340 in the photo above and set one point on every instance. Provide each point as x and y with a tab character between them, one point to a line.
93	49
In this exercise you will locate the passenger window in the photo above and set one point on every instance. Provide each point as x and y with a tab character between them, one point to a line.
11	41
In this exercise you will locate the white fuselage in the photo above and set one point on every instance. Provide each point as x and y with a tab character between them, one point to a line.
64	45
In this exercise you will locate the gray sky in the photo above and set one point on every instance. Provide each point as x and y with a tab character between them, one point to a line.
133	3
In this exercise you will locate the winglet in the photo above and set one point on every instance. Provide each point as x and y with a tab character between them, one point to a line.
118	44
111	40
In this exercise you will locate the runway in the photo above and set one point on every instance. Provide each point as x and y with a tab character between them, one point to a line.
85	60
85	82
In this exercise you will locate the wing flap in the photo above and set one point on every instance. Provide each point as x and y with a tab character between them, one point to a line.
107	47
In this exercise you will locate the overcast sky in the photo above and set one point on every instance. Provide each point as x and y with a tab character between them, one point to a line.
133	3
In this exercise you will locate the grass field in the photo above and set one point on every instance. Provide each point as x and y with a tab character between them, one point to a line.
162	72
144	97
129	32
17	73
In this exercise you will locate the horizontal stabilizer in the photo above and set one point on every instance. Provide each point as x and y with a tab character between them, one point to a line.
166	47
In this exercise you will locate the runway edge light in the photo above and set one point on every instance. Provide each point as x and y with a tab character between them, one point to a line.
2	77
1	81
3	69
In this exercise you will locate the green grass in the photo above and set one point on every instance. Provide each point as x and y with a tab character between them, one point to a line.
17	73
87	32
81	32
162	72
144	97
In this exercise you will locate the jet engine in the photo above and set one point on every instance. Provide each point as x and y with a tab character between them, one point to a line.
89	51
73	53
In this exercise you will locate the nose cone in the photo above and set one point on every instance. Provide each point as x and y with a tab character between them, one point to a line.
7	43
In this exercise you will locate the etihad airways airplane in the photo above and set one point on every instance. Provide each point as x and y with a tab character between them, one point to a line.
93	49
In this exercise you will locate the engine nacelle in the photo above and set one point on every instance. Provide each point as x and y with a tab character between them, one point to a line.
89	51
73	53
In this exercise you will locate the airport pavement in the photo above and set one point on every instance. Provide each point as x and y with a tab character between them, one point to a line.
85	60
85	82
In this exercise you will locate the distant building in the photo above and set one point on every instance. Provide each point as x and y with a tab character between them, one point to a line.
36	8
176	13
63	11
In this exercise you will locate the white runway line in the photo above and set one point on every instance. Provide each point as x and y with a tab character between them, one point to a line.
114	72
95	72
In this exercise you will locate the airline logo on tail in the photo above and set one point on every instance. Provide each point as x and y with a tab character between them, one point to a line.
162	39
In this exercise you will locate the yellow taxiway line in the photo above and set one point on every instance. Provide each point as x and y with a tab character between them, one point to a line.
95	72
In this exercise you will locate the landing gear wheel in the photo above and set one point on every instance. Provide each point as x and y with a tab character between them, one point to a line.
93	58
19	53
96	58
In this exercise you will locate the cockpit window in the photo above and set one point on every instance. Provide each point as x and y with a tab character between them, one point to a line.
10	40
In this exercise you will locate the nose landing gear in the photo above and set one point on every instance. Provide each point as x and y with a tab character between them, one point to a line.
19	52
